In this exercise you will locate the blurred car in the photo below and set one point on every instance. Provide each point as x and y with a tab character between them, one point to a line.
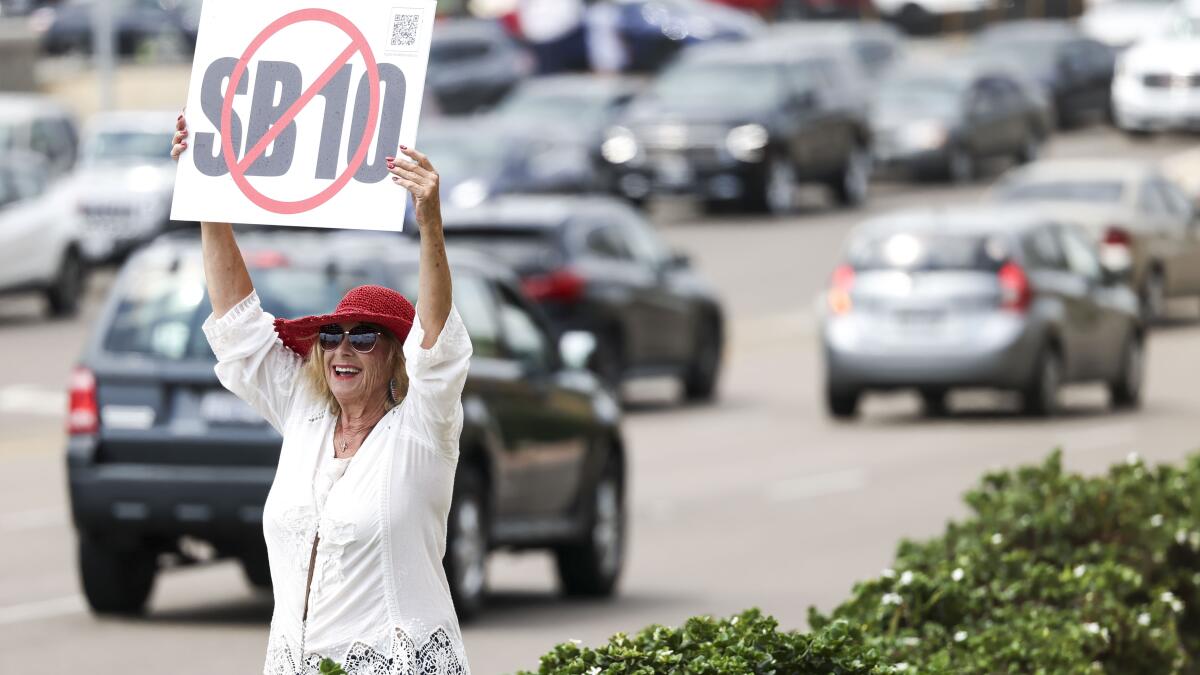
1130	211
825	9
165	27
1003	298
1074	70
923	17
121	190
31	123
744	124
163	460
575	111
473	63
876	45
39	245
653	32
1158	81
595	265
947	121
1123	23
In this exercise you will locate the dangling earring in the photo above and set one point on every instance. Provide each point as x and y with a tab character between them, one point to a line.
394	392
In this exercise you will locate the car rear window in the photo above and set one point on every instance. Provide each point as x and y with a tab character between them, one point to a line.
1105	192
928	251
520	248
163	303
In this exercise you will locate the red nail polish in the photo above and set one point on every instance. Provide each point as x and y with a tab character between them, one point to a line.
391	166
404	147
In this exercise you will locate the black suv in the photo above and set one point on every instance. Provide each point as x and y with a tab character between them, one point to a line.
595	265
162	460
744	124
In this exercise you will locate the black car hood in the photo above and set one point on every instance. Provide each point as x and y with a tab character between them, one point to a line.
655	113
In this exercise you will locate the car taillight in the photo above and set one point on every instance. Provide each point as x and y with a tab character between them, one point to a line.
1015	291
266	259
1116	235
562	285
83	413
839	289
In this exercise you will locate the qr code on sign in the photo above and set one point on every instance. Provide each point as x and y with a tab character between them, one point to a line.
404	30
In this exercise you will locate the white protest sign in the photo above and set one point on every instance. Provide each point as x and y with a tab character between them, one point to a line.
293	109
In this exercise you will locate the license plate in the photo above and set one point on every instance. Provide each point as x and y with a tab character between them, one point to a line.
222	407
673	171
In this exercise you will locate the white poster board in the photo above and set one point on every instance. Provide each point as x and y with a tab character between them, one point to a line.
323	93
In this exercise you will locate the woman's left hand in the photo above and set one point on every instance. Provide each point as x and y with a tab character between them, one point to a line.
421	180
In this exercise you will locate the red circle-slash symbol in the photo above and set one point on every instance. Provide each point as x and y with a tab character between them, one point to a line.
237	169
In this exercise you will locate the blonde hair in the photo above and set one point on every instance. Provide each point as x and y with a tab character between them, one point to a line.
314	372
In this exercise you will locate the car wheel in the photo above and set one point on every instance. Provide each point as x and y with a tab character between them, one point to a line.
852	185
115	581
960	165
256	568
1126	390
933	402
467	543
1153	298
778	189
1030	148
842	403
591	568
1040	397
63	296
701	381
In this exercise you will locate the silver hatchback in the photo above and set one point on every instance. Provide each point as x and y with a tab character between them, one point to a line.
977	297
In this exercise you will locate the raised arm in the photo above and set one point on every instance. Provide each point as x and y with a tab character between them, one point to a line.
434	285
224	269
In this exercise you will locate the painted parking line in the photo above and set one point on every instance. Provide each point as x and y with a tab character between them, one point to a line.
28	399
42	609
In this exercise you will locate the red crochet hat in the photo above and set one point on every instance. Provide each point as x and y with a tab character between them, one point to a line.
371	304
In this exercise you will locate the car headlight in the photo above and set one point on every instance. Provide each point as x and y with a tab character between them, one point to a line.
620	146
746	142
469	193
924	135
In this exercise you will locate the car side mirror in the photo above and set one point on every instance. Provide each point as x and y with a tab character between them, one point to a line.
576	348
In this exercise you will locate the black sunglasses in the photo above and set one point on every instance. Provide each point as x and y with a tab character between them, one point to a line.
362	338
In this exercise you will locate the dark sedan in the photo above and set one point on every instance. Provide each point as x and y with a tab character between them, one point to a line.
1075	71
473	63
165	27
948	121
745	124
594	264
162	460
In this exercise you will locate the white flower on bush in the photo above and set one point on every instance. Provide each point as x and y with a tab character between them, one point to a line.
1175	603
958	574
888	573
594	670
1144	619
1181	537
906	578
960	636
1156	520
1093	628
910	641
892	599
997	539
901	667
1132	459
1080	570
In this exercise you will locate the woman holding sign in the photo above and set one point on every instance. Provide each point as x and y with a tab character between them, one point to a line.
368	400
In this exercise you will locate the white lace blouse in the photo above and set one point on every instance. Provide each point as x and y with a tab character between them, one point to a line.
379	601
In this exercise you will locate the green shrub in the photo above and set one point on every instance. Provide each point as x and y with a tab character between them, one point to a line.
1052	573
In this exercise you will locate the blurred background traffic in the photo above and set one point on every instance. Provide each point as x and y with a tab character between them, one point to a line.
756	288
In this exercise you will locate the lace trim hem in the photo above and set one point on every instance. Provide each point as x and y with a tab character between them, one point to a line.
438	655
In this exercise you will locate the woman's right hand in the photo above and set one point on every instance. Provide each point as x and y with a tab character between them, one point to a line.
179	143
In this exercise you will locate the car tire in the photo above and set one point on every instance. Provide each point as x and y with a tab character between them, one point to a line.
115	581
1152	298
591	568
852	184
933	402
467	543
257	569
700	383
1126	390
62	297
841	403
775	193
961	166
1040	397
1030	149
